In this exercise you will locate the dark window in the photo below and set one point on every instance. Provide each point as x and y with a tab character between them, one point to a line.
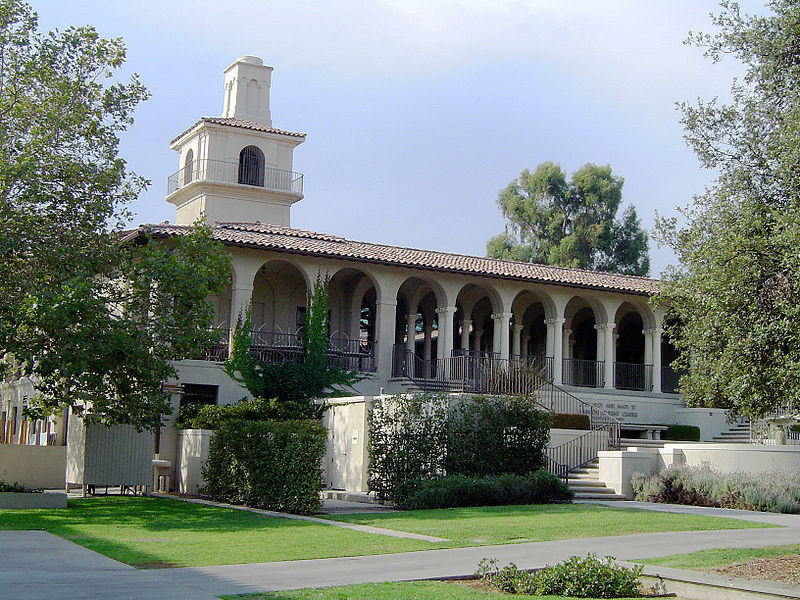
14	420
198	393
251	166
300	319
187	167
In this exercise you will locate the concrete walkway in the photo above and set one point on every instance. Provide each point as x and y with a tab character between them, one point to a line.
40	566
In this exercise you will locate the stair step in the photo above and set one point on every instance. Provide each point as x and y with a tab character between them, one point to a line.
586	484
611	496
591	489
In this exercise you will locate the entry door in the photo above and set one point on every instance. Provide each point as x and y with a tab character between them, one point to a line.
339	449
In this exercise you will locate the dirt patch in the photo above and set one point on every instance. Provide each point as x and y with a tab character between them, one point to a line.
784	569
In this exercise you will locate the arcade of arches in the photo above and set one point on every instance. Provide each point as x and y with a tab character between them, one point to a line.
580	337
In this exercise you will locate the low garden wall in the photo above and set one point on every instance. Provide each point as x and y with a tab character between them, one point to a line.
192	453
33	466
23	500
617	466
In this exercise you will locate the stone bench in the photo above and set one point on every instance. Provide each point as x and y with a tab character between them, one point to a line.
647	432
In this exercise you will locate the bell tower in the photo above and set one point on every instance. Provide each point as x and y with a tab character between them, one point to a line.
237	167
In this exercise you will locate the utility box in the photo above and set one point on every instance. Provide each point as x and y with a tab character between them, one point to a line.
108	456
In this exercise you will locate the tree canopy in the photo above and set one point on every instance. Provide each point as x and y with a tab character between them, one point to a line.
92	321
736	289
570	223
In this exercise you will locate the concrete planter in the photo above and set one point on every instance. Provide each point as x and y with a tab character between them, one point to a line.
17	500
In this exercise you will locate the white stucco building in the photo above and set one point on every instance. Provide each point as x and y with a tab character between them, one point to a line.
405	318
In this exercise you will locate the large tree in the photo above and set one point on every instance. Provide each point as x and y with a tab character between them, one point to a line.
94	322
736	289
570	223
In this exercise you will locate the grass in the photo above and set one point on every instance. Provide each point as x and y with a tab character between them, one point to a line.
155	532
415	590
538	523
712	559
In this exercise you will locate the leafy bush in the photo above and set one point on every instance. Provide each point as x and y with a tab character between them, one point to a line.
426	436
210	416
571	421
688	433
578	577
274	465
16	487
703	486
539	487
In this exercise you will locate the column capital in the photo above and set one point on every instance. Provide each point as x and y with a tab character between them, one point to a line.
518	327
445	309
555	321
505	315
466	322
653	331
605	326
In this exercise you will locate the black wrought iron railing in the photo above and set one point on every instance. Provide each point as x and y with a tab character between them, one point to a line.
541	363
669	380
235	172
218	351
559	400
633	376
279	347
583	373
576	452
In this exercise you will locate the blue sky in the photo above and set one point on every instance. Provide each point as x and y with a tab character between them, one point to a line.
419	111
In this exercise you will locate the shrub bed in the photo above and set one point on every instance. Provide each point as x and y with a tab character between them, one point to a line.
703	486
274	465
539	487
571	421
577	577
16	488
684	433
428	436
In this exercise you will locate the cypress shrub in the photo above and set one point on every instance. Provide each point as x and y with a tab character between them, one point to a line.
686	433
571	421
274	465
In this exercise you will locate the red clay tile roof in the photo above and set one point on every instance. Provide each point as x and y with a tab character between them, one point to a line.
241	123
298	241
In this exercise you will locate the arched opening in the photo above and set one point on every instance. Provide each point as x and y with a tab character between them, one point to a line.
581	365
278	312
353	321
475	304
188	167
630	369
415	354
670	376
251	166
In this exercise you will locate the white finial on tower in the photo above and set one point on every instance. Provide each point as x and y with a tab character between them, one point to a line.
247	83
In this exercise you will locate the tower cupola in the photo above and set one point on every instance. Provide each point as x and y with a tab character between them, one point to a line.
237	167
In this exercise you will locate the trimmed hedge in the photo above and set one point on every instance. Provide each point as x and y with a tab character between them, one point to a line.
685	433
426	436
274	465
571	421
211	416
539	487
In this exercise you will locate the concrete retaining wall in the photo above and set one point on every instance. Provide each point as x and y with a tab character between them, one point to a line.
18	500
34	466
192	453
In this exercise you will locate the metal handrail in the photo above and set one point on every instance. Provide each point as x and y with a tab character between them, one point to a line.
543	363
236	172
577	452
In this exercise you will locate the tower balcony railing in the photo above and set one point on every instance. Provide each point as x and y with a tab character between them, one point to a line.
583	373
633	376
234	172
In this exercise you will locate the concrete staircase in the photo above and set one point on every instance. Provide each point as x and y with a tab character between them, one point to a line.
738	433
626	443
586	484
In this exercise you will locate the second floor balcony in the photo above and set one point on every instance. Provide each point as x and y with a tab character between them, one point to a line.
249	173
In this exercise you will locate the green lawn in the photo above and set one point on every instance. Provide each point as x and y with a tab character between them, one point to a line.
415	590
154	532
538	523
712	559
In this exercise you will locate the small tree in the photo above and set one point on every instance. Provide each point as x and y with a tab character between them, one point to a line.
293	388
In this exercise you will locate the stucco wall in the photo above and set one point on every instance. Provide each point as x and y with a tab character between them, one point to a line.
33	466
192	453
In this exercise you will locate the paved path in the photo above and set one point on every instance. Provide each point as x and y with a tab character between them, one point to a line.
37	565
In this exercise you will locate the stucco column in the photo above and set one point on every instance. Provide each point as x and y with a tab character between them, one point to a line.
501	333
476	340
445	345
554	347
385	337
516	340
657	359
607	332
648	346
427	329
465	325
355	322
524	347
565	342
240	301
411	331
